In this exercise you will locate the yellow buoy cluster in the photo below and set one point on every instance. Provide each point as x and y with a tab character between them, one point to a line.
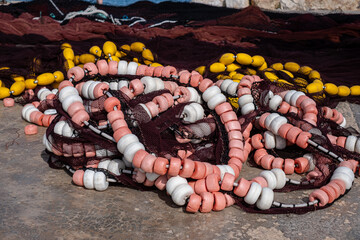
110	52
229	66
20	83
277	73
68	55
235	66
293	74
307	79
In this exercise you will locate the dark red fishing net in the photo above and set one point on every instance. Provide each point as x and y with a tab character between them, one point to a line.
329	44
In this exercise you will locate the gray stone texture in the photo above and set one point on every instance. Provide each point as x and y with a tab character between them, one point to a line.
307	5
217	3
266	4
288	5
236	3
225	3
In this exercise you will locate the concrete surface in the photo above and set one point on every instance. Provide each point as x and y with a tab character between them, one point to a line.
314	6
37	202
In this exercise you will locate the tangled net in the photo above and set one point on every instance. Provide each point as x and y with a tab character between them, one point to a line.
145	126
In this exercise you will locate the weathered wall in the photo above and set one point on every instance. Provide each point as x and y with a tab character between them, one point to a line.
291	5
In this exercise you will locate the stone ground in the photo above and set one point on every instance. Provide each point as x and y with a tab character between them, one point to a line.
314	6
37	202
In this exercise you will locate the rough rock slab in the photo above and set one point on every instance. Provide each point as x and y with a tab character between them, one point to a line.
237	3
290	5
267	4
307	5
217	3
